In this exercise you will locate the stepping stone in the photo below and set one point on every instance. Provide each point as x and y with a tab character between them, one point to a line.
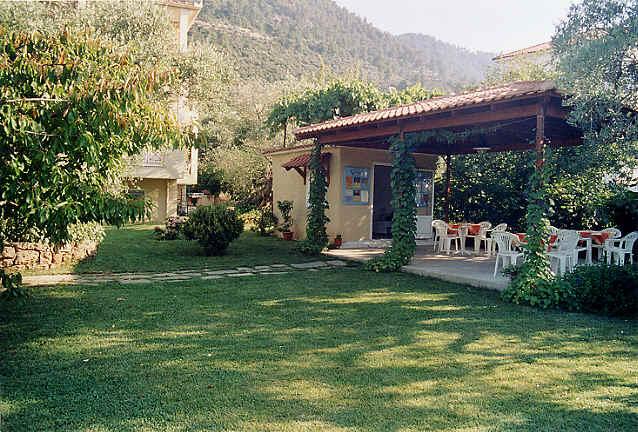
263	268
337	263
241	274
173	278
309	265
221	272
164	274
313	270
212	277
245	269
194	274
278	266
274	273
135	281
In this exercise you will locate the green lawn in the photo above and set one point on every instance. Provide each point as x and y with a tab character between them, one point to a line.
337	350
135	249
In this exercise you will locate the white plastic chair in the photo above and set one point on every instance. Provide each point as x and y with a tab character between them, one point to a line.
437	237
480	236
502	227
505	244
603	248
445	237
565	252
625	247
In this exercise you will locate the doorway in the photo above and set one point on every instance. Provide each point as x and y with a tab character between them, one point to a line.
381	203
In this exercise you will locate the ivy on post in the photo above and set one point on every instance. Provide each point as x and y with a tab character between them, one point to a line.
533	283
316	236
404	206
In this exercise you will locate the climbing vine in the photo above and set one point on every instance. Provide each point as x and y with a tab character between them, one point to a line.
403	202
533	283
316	236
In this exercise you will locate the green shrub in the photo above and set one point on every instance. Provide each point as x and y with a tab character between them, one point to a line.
266	222
387	263
214	227
600	289
12	283
307	247
251	219
285	207
174	229
87	231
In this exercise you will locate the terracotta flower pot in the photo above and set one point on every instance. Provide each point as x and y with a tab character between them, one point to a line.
338	241
287	235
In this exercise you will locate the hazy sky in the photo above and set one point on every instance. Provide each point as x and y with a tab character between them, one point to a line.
486	25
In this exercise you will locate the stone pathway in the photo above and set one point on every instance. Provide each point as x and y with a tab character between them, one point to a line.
180	275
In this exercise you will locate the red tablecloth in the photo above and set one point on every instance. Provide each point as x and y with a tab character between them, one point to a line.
598	238
552	239
472	229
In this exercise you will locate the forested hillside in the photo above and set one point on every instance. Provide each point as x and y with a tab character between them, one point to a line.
279	39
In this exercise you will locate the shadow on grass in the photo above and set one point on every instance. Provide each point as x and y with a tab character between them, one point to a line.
310	351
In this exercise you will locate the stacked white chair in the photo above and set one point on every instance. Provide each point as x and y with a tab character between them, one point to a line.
505	244
437	236
446	236
625	247
566	252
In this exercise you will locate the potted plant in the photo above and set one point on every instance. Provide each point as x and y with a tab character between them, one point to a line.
338	240
285	207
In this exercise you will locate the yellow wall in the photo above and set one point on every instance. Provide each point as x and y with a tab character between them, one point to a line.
163	193
353	222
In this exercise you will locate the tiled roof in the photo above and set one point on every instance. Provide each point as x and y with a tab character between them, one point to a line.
547	46
302	161
434	105
283	149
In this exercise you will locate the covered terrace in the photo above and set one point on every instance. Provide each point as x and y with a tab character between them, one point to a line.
517	116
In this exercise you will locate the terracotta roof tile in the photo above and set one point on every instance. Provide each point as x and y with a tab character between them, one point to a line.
443	103
302	161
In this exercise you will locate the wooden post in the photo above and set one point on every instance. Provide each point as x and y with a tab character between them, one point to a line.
285	132
447	188
540	139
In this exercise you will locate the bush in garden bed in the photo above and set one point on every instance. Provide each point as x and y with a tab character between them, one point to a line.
214	227
601	289
174	229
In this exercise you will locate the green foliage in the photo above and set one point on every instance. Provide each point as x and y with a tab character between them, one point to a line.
12	284
531	67
338	98
532	284
174	229
285	207
211	180
599	289
214	227
274	39
387	263
71	109
88	231
307	247
262	220
622	208
316	235
595	47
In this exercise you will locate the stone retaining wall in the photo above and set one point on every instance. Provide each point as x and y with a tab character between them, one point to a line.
21	256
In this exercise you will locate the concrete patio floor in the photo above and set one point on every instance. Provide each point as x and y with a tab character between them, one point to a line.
473	270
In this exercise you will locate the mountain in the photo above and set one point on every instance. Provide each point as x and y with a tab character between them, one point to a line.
276	39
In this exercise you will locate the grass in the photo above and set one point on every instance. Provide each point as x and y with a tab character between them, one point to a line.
339	350
135	249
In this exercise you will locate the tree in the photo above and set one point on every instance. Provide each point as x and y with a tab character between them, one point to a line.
71	108
595	47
